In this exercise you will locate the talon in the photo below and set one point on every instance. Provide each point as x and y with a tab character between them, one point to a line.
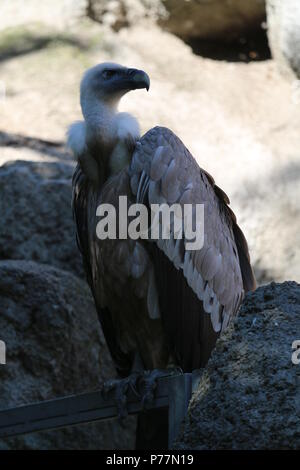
108	386
120	389
150	384
133	382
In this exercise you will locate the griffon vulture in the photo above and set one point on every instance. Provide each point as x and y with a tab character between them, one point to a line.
159	303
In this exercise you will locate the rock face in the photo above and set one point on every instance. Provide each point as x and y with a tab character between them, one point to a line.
36	216
185	18
63	13
188	19
55	347
272	223
284	34
211	19
119	14
248	397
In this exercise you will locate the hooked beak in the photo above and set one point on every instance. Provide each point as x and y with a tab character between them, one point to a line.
136	79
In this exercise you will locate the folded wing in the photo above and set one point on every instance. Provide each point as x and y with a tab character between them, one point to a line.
199	290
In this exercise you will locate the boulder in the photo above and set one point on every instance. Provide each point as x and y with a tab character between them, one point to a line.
248	396
36	216
213	19
54	347
206	19
284	34
119	14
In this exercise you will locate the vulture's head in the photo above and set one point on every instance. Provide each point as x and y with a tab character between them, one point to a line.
108	82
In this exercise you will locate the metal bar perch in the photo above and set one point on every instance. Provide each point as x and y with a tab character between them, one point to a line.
173	392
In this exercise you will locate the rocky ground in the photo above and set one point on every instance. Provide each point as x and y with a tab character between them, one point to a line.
248	396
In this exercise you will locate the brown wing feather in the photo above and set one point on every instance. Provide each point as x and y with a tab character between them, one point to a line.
188	327
84	202
163	171
119	274
197	290
249	281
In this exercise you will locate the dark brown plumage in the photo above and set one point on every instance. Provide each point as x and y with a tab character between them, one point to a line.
198	291
160	303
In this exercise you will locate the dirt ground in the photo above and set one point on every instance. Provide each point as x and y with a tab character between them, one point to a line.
241	121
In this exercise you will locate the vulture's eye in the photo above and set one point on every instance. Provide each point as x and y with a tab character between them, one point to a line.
106	74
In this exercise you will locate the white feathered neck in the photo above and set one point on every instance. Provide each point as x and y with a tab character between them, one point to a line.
106	128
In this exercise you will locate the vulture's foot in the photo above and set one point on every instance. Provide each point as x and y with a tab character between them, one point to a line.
150	383
121	389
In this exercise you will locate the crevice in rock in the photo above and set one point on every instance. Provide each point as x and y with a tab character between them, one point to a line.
248	47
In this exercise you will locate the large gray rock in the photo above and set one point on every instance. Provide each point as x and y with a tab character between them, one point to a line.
284	34
248	397
55	347
36	218
189	19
